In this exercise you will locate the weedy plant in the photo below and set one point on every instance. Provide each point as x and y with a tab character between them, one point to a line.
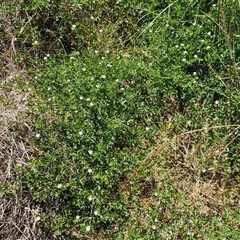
134	113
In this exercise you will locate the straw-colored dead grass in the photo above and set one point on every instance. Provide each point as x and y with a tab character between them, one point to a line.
194	169
17	215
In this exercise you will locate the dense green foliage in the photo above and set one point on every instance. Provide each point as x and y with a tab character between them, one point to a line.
107	76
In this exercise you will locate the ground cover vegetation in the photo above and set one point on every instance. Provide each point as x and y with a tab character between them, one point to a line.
129	119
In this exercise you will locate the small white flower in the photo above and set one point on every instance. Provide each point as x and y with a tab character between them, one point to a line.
88	99
155	194
89	170
95	213
81	98
182	44
195	55
147	128
103	76
208	47
109	65
45	58
80	133
176	46
194	73
117	80
204	170
84	69
38	135
88	228
189	122
102	58
209	33
68	80
76	111
194	24
73	27
91	104
100	30
156	220
92	17
77	217
90	152
49	88
184	59
49	100
122	88
72	58
90	198
97	86
150	30
167	25
202	40
59	185
184	52
216	102
37	219
35	42
48	55
154	227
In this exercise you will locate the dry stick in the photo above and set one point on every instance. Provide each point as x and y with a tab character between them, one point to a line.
17	228
213	127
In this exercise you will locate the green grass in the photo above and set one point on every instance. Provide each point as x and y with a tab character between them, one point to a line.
134	111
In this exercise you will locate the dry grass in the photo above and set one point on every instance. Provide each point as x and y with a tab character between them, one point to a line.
17	215
194	169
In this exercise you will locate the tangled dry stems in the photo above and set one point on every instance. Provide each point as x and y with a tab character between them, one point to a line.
184	158
17	215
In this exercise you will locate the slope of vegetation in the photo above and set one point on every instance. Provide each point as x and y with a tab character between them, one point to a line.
132	119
